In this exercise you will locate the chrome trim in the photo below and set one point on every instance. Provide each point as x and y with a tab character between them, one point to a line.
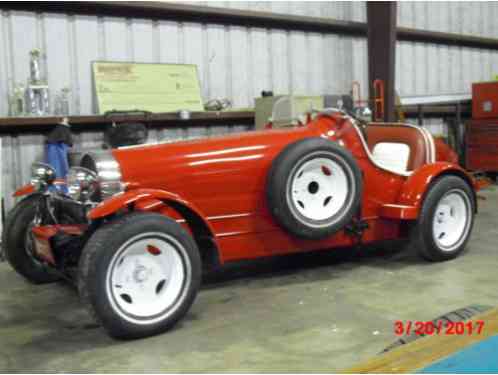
221	217
108	171
82	183
428	138
228	234
42	175
429	144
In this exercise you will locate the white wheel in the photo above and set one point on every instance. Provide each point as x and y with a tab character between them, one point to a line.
319	189
451	221
445	220
139	274
314	188
146	277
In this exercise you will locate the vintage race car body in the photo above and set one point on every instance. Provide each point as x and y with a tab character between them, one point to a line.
216	189
222	181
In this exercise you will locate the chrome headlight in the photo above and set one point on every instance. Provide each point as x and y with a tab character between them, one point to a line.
42	175
82	184
107	169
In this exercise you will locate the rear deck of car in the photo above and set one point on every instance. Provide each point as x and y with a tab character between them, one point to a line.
311	312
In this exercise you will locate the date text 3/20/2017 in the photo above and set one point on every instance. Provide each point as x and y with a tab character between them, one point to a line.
438	328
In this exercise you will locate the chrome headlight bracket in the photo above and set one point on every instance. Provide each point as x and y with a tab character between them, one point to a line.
42	175
82	184
107	169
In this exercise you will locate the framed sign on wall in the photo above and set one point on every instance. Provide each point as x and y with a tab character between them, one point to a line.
149	87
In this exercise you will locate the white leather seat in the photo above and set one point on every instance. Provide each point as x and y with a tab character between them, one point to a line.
392	155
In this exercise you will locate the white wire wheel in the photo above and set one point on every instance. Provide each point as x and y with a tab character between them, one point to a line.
451	221
320	189
147	278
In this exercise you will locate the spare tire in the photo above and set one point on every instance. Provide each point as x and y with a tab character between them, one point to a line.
314	188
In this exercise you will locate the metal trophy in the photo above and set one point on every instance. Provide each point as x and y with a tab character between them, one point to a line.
61	102
17	101
37	90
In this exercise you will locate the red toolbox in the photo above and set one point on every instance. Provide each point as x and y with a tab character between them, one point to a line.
485	100
481	151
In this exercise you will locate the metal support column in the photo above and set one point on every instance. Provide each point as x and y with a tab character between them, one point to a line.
381	17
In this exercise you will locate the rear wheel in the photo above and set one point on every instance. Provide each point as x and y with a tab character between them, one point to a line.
446	219
139	274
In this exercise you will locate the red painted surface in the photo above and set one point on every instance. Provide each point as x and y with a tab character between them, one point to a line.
398	211
485	100
445	152
414	188
482	145
30	189
24	190
43	234
222	180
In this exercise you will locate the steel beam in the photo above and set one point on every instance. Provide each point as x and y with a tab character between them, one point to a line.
381	18
203	14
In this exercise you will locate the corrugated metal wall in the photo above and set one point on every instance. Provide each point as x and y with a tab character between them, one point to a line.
425	69
234	62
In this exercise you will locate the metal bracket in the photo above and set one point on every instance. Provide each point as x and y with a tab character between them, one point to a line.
356	228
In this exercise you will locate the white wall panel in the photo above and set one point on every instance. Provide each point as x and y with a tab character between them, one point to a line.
427	69
260	61
474	18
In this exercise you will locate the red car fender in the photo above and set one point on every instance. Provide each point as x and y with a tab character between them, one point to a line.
414	188
148	200
24	190
30	188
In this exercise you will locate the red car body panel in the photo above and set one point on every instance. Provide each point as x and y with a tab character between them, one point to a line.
42	237
223	180
413	190
24	190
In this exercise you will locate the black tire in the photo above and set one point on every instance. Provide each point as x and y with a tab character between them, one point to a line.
14	235
459	315
101	254
283	170
422	237
14	242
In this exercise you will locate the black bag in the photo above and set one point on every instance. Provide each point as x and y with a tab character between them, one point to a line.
125	134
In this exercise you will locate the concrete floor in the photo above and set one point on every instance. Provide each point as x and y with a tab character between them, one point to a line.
306	313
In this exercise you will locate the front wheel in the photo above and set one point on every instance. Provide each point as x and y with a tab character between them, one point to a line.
139	274
18	242
445	220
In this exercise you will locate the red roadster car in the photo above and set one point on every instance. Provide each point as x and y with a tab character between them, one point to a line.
140	223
